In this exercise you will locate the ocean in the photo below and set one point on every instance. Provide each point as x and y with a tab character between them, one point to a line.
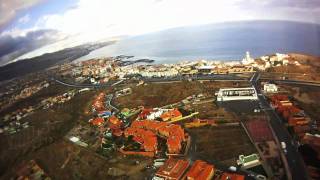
222	41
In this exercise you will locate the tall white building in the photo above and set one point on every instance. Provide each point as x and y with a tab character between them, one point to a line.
247	59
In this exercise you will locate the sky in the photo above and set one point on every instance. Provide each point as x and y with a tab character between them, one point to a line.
32	27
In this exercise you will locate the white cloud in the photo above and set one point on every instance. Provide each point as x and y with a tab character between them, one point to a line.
9	9
25	19
93	20
96	20
129	17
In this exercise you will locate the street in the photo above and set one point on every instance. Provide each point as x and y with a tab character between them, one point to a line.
293	157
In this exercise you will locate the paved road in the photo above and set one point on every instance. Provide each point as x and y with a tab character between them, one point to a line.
83	85
108	102
157	79
293	157
306	83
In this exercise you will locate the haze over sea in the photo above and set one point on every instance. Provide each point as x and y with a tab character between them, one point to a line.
223	41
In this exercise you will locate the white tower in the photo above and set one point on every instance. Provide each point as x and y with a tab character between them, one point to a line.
247	59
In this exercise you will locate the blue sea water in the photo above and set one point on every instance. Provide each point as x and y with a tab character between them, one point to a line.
223	41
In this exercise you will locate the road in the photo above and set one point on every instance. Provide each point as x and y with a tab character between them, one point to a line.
215	77
224	77
295	82
108	102
83	85
294	160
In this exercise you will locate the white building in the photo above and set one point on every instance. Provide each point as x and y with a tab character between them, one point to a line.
264	58
231	94
166	73
247	59
282	57
156	113
270	88
248	161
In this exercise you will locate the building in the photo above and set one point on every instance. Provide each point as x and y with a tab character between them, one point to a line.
248	161
173	133
230	94
98	103
147	139
173	169
159	73
231	176
171	115
313	139
240	69
205	69
200	170
270	88
247	59
97	121
115	125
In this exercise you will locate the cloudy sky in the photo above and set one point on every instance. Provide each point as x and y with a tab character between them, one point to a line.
33	27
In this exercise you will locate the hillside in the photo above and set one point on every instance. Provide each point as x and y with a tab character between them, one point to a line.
23	67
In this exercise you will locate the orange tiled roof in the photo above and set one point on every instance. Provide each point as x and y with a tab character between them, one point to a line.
146	138
200	170
97	121
114	121
173	168
171	114
147	128
98	103
231	176
174	145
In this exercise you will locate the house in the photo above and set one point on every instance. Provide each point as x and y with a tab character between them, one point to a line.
146	138
248	161
231	176
240	69
115	125
97	121
174	145
173	169
270	88
171	115
205	69
174	134
200	170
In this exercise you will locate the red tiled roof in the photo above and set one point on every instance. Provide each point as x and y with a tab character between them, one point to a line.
173	169
174	145
231	176
115	121
146	138
97	121
200	170
144	113
174	133
98	103
171	114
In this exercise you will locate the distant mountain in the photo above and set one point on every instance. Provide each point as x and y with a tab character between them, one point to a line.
224	41
23	67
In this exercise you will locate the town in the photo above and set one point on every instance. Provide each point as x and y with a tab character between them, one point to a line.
110	118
